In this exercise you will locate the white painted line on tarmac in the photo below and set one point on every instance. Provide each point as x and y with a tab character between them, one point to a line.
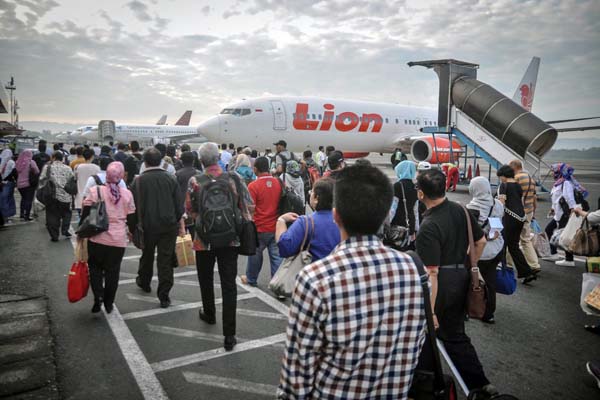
230	383
276	304
148	299
127	275
216	353
155	278
261	314
186	306
139	366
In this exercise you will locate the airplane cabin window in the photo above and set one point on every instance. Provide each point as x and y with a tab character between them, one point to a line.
319	117
245	111
396	120
313	116
386	120
294	115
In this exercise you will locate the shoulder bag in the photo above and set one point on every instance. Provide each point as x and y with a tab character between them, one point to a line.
289	201
138	233
284	279
476	294
97	220
398	236
428	385
33	177
46	193
71	186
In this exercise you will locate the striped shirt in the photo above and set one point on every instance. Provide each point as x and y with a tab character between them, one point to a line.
356	325
528	186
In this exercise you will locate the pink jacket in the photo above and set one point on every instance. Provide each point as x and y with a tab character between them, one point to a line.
23	176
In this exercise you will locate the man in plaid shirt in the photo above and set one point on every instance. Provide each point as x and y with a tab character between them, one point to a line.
356	323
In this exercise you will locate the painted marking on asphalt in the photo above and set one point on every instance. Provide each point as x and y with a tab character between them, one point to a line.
155	278
141	370
186	306
261	314
216	353
148	299
127	275
230	384
276	304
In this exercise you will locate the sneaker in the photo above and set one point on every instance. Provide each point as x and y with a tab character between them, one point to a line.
593	368
229	342
565	263
553	257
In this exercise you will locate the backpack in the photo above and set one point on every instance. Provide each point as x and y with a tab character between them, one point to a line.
284	161
219	219
579	199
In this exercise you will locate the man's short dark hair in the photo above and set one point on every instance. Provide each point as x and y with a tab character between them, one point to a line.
261	164
363	196
185	147
323	189
55	146
105	149
79	150
88	154
506	171
95	145
121	146
104	161
42	146
223	146
231	146
362	161
307	154
432	183
152	157
161	148
187	158
321	148
134	145
239	150
111	143
73	150
171	150
254	154
57	155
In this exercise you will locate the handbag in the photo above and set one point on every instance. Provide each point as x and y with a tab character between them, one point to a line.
398	236
248	239
138	232
477	292
46	193
542	245
428	385
96	221
586	241
506	283
78	282
282	283
33	178
567	235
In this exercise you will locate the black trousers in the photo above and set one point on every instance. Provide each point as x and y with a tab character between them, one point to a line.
104	263
58	216
512	237
227	264
551	227
488	272
450	310
26	201
164	245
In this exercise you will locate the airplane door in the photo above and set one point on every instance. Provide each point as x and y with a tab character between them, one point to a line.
279	117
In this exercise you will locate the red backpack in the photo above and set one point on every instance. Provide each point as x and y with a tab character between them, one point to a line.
314	175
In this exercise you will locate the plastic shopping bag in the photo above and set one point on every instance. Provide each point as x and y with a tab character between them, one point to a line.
78	282
569	232
535	227
590	294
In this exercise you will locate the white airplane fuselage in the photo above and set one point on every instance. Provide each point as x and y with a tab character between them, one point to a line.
310	122
126	133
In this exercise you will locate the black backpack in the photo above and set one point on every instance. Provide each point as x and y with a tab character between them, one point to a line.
219	219
284	161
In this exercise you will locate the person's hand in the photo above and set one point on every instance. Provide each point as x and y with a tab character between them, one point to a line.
413	237
580	212
496	235
181	228
129	236
436	324
289	217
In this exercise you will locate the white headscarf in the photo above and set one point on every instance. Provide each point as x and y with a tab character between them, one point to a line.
482	199
7	164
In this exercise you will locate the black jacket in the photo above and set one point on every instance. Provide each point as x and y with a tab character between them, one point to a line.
158	195
183	177
411	198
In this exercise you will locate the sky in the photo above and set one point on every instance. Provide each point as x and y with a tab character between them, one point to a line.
79	61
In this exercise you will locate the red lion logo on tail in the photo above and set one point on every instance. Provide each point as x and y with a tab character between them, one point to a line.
526	96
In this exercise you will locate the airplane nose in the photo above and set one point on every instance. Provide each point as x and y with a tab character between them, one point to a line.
211	128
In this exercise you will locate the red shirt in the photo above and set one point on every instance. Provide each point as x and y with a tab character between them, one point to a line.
265	192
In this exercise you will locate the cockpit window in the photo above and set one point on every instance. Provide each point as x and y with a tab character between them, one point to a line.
237	111
227	111
245	111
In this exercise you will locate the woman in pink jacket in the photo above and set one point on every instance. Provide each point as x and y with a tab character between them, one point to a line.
27	178
105	250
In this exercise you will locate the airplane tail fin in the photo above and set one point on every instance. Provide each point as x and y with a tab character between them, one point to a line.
526	90
162	120
185	118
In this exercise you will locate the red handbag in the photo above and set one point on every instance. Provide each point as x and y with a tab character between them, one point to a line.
78	282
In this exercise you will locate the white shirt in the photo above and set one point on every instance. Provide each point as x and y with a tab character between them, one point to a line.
163	164
565	190
91	182
226	157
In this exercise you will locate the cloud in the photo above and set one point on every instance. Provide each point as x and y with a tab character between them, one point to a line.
140	10
205	10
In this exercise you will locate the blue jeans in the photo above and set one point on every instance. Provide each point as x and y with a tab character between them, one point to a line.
265	240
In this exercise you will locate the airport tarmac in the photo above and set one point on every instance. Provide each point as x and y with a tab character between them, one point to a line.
536	350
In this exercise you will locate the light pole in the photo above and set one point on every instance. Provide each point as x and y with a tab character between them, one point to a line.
11	88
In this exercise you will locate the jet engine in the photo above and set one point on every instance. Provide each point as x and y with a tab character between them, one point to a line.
435	150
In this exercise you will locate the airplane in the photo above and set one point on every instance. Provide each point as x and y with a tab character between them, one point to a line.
162	120
357	127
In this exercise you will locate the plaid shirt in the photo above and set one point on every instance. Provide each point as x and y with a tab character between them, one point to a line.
356	325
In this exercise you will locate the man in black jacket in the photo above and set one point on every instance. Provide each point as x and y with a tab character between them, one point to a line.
157	195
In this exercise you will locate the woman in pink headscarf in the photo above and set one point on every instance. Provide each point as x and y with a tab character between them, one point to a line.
27	178
106	249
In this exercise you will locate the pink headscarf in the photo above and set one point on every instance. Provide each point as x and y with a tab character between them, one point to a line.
114	173
24	160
